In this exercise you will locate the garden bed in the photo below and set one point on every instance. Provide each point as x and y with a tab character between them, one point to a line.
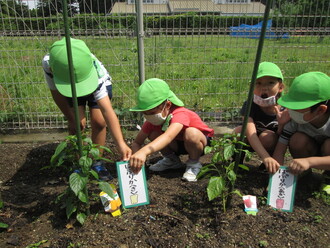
179	213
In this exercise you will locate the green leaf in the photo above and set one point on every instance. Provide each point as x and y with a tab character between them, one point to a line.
216	157
81	217
231	176
228	151
82	197
237	192
104	186
85	163
106	149
1	204
244	167
215	187
207	169
95	152
70	207
87	141
94	174
208	149
3	225
326	188
77	182
58	152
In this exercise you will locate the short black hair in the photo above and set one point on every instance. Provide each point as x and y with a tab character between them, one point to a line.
327	103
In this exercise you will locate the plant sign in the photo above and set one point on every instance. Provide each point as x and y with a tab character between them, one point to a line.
281	191
133	187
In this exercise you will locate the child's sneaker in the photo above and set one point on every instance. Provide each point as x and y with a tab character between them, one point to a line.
193	168
104	174
167	163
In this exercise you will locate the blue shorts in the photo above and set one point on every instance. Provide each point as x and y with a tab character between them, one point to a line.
182	149
89	99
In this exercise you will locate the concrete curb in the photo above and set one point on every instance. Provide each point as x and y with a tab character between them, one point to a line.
50	136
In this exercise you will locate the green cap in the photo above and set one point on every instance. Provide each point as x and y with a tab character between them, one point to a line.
85	74
269	69
152	93
307	90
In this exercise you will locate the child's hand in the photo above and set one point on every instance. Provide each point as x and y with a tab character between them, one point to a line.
137	161
271	164
282	116
299	165
125	152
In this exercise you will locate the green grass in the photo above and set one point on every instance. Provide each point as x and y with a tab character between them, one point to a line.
209	73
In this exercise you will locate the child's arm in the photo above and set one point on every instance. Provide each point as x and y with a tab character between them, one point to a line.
113	124
301	164
139	141
278	155
138	158
251	135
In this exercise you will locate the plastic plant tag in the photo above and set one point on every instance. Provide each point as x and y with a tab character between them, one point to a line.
111	205
133	187
250	204
281	190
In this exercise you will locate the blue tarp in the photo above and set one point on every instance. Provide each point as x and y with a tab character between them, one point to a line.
253	31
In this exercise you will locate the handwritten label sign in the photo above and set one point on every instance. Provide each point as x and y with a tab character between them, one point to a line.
133	187
281	190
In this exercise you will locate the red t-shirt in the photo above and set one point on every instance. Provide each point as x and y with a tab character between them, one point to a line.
185	117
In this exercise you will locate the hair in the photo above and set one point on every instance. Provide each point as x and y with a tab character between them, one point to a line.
327	103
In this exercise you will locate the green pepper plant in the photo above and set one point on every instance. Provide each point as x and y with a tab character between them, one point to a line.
221	171
75	198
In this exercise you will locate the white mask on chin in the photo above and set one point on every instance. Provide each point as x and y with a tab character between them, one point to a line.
264	102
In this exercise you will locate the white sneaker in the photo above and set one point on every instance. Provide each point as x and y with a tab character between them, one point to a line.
167	163
192	171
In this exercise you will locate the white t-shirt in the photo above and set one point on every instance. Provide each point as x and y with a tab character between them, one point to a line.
104	77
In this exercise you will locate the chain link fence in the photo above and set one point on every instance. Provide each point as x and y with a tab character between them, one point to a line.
204	49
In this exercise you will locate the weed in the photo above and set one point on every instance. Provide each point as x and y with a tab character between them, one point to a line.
318	218
262	200
223	164
2	225
72	245
36	245
323	194
263	243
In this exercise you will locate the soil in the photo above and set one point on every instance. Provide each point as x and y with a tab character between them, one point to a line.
179	213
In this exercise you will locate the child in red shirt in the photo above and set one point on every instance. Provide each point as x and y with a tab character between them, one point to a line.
171	128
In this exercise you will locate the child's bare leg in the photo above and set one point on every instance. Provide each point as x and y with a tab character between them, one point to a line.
170	149
72	123
302	146
325	148
194	142
99	127
268	139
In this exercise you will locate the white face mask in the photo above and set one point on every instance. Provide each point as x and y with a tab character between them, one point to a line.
299	117
264	102
156	119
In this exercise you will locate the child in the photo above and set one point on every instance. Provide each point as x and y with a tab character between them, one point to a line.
171	128
93	86
308	132
265	120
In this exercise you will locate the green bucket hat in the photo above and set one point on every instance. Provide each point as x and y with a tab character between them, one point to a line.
307	90
85	74
152	93
269	69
